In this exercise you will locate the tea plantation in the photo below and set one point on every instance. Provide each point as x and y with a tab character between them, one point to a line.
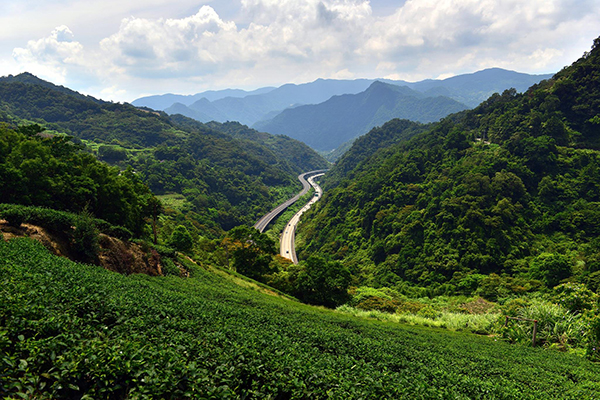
71	330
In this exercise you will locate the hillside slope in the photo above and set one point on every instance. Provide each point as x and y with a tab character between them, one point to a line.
227	181
511	187
70	330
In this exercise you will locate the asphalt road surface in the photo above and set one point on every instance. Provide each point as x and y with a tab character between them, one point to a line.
287	248
266	220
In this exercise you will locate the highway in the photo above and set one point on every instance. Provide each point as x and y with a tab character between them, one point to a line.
287	247
266	219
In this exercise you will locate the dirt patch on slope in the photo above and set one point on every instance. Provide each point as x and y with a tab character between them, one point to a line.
54	243
114	255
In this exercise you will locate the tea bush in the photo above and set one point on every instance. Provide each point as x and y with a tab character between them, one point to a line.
71	330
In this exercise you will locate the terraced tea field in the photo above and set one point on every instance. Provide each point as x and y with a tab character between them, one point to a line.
70	330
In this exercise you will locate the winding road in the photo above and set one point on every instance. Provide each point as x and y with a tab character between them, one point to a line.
287	247
266	219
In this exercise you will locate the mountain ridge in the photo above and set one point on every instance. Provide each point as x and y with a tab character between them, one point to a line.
257	106
327	125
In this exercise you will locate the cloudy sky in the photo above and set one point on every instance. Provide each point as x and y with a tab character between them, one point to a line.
122	49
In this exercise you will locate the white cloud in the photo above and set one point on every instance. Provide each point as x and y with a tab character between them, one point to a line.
51	56
277	41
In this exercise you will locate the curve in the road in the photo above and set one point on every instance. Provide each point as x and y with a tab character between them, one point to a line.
288	237
267	218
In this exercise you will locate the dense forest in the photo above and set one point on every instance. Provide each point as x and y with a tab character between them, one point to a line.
500	199
227	174
50	171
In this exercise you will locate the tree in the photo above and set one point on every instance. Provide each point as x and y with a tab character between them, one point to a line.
324	283
181	239
252	251
551	268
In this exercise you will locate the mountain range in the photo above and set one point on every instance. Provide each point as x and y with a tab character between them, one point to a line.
327	125
249	107
272	109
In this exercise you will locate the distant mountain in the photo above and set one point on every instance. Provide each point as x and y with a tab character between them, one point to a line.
210	112
257	106
327	125
472	89
164	101
263	104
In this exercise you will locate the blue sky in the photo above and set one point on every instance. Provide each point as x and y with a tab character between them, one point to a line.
121	50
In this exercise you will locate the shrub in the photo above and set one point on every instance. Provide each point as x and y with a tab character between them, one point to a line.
551	268
84	239
555	325
429	312
164	250
593	281
15	216
575	297
169	267
181	239
379	304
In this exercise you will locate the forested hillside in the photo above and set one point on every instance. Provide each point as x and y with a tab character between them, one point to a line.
49	171
497	200
226	179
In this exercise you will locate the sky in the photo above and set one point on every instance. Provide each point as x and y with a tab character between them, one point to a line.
123	49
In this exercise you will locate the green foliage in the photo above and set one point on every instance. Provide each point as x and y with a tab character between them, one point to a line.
556	326
112	153
181	239
59	221
299	155
52	172
368	298
494	286
85	238
72	330
213	173
575	297
551	268
324	283
509	188
169	268
251	251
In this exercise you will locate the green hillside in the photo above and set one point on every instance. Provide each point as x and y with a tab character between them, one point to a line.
212	169
510	188
77	331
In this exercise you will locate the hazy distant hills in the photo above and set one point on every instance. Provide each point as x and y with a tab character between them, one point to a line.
249	107
164	101
258	105
327	125
472	89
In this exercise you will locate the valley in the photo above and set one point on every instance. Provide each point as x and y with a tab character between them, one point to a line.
157	252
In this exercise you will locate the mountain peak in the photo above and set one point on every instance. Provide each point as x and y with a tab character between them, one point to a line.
28	78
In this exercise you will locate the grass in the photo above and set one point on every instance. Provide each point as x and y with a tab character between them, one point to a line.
176	201
71	330
478	323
